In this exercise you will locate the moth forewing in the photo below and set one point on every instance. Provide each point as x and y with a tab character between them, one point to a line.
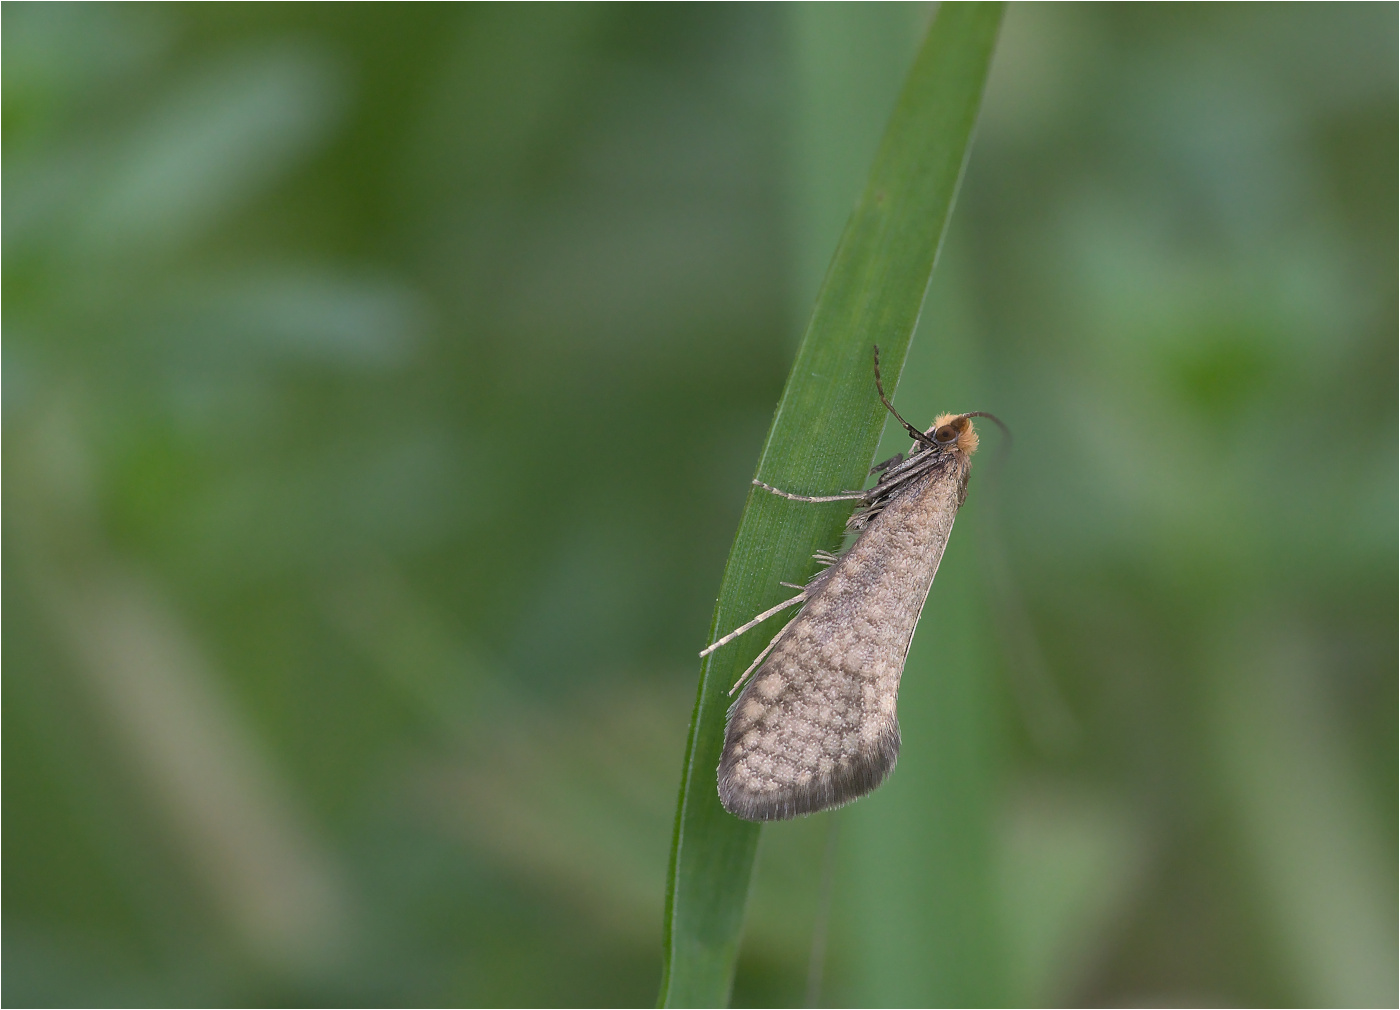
816	727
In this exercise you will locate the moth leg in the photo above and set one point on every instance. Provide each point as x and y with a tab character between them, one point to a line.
850	496
800	597
759	658
894	460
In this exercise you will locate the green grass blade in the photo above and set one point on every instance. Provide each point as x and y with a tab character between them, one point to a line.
822	440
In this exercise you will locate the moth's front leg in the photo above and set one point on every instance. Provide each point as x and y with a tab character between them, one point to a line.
847	496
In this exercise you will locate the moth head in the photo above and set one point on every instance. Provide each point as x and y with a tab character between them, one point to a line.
955	431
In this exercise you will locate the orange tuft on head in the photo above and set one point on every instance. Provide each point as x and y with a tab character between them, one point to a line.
962	425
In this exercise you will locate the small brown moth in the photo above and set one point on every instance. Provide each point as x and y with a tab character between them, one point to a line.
816	727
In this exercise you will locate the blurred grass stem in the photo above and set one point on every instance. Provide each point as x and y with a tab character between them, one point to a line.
821	926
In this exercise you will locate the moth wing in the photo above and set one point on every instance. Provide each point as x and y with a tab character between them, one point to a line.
814	729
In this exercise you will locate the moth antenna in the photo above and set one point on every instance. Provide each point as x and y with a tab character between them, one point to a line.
1003	450
996	420
919	436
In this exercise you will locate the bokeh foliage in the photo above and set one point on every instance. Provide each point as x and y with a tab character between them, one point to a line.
381	388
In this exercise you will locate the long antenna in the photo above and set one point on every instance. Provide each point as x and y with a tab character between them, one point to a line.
999	423
919	436
1004	450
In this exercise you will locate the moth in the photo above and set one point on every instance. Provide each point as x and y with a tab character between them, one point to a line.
816	727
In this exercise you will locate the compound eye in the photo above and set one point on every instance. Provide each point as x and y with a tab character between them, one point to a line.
945	434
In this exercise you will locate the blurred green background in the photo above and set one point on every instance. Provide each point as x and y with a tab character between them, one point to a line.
381	389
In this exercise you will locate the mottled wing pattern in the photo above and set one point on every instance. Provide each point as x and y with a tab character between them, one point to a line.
808	733
816	727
